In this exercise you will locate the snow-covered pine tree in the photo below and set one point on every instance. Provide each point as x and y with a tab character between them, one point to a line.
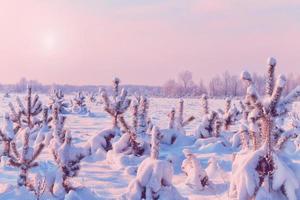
171	116
143	124
136	147
204	104
154	177
46	118
93	97
196	175
79	105
68	158
181	123
264	171
231	114
227	114
115	107
176	125
39	186
79	99
211	123
57	98
140	121
155	142
26	116
45	126
25	159
7	134
130	148
59	132
118	104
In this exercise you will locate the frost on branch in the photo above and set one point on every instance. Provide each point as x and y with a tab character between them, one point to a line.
7	134
24	159
117	105
154	177
264	170
196	176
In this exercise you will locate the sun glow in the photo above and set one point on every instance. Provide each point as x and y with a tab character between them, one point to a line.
49	42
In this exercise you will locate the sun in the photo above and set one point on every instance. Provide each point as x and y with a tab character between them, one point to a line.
49	42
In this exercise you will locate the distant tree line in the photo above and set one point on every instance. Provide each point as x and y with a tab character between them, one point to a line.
21	87
223	85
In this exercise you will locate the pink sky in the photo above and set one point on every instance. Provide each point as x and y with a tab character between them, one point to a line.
144	42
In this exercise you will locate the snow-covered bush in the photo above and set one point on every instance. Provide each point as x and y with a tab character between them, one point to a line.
264	171
196	176
154	177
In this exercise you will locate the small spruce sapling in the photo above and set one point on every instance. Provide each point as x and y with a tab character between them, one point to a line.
57	99
264	170
154	177
231	114
25	117
176	125
196	175
79	104
118	104
181	123
45	126
68	158
135	146
210	125
143	125
25	159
